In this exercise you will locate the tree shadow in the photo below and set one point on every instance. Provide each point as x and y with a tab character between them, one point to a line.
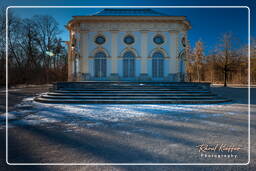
195	115
103	148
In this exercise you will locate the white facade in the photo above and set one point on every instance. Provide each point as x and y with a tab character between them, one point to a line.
141	48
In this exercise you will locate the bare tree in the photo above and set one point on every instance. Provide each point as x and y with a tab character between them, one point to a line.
47	32
210	67
29	40
198	56
228	55
16	57
253	60
2	46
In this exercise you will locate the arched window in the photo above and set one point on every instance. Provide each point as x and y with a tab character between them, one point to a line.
100	65
158	65
129	64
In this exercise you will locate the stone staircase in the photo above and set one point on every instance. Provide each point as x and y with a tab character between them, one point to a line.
106	92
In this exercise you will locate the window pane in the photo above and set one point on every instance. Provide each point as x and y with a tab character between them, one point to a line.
100	65
158	65
129	64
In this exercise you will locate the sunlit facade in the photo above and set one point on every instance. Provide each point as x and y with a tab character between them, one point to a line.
127	45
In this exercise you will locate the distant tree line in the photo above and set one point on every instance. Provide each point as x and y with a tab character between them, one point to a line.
226	64
36	53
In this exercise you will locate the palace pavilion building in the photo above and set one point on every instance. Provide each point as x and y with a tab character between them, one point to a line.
127	45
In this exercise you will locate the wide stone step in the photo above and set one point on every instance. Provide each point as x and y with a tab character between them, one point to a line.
127	91
133	87
132	101
127	83
128	97
129	94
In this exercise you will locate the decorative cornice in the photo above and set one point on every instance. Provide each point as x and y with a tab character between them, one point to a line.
116	20
144	31
173	31
114	31
129	27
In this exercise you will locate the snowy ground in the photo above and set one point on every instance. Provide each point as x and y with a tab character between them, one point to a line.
30	112
127	133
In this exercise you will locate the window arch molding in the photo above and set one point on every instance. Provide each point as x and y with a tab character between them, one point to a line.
158	50
100	54
129	54
129	50
96	50
158	54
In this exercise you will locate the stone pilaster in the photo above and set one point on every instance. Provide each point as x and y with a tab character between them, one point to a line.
144	55
173	62
70	60
83	62
70	56
114	73
184	34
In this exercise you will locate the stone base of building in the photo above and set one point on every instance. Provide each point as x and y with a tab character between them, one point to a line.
114	77
173	77
144	77
85	76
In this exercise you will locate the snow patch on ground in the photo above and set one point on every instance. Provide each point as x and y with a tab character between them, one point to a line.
211	123
93	115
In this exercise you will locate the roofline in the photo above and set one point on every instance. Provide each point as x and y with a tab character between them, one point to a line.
156	13
135	18
77	19
125	16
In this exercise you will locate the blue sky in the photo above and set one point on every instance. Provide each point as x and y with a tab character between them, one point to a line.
207	24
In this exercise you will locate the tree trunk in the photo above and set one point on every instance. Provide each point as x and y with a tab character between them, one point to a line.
198	75
225	76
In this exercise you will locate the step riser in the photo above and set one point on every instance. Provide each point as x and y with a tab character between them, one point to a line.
137	95
98	88
87	84
135	98
139	88
137	102
131	91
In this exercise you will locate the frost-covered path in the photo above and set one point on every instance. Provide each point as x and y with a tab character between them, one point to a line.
125	133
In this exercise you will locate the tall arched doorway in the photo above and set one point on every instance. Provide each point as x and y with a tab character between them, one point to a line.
129	65
157	65
100	65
